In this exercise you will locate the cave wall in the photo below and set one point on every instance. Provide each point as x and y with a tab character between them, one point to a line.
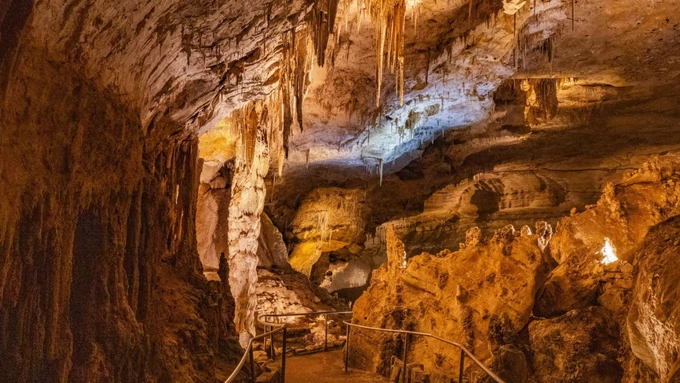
652	321
96	234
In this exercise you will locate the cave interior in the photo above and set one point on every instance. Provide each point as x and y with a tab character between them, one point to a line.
178	177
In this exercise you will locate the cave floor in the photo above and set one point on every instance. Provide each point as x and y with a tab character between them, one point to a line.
325	367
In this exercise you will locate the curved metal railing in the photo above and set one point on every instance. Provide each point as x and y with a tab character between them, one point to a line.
325	318
249	353
271	328
268	330
407	334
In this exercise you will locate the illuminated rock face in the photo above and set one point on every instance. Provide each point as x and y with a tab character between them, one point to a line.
652	324
328	220
467	295
245	206
623	215
592	319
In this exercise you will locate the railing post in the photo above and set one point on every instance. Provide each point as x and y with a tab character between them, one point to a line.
347	347
271	346
325	339
283	357
264	341
462	366
403	371
252	364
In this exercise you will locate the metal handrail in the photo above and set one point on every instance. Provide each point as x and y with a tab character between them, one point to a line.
463	351
304	314
249	352
270	333
325	318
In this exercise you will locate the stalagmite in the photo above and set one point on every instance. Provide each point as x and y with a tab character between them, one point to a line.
271	197
280	163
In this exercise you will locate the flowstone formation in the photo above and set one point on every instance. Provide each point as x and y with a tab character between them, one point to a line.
328	220
591	301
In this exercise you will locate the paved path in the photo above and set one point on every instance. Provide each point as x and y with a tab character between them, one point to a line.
325	367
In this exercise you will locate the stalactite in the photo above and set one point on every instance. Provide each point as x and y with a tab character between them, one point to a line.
547	48
516	47
307	159
280	163
321	24
380	54
389	18
271	195
427	67
380	169
415	21
546	95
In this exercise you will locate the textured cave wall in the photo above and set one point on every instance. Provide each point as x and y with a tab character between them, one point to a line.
479	296
652	322
99	274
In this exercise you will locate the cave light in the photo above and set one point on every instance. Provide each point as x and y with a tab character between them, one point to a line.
608	252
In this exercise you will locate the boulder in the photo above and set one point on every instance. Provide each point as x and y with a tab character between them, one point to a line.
579	346
653	323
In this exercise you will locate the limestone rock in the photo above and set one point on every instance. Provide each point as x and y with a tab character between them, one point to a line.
499	278
473	237
617	283
288	291
329	219
285	291
573	284
346	274
623	215
271	250
653	324
580	346
245	207
511	365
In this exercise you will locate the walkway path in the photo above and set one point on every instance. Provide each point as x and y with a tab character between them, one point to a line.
325	367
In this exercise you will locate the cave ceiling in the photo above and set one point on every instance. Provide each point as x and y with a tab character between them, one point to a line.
195	63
